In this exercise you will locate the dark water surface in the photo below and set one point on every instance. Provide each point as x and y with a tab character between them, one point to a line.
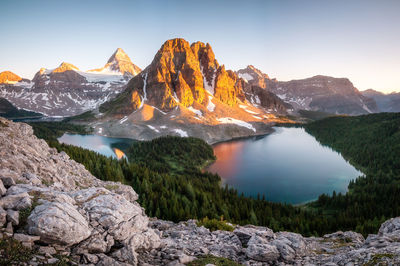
287	166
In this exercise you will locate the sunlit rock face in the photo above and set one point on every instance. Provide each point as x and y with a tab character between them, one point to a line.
186	92
8	77
182	74
119	153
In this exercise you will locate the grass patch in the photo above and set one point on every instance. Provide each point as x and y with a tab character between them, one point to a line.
214	224
376	259
213	260
24	213
12	252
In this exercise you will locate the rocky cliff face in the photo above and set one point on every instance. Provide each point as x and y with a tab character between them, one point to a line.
185	91
94	222
318	93
66	90
181	74
386	102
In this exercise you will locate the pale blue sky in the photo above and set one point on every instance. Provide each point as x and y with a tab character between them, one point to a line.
285	39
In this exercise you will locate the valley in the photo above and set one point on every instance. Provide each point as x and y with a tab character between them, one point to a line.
199	133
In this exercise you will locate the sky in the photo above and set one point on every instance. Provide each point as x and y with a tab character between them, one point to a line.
357	39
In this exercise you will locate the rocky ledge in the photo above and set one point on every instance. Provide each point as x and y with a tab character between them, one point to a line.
53	206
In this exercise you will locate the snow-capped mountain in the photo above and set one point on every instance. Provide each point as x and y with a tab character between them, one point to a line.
185	91
66	90
386	102
322	93
119	62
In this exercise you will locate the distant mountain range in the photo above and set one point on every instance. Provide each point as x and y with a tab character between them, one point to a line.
386	102
66	90
184	91
318	93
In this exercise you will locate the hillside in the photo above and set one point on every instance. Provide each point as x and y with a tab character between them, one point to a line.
55	211
9	111
372	144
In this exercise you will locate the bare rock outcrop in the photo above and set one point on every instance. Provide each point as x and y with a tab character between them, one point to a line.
69	209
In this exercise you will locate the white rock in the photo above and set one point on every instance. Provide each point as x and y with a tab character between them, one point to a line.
58	223
259	249
17	202
3	190
13	217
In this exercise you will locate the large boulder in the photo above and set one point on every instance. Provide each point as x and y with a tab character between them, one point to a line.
58	223
390	226
246	232
17	201
261	250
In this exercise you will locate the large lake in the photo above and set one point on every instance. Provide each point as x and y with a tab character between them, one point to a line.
288	165
104	145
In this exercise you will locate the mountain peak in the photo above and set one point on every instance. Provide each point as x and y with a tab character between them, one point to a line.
9	77
120	62
119	55
65	67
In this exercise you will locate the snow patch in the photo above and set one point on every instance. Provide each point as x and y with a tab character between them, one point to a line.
251	112
153	128
123	120
197	112
181	132
210	105
245	76
209	87
229	120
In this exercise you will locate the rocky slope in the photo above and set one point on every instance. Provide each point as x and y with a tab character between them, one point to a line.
54	206
185	89
66	91
318	93
386	102
9	111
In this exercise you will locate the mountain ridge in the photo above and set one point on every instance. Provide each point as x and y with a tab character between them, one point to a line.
317	93
185	91
66	90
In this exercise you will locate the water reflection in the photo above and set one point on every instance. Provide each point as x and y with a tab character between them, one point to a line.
286	166
104	145
119	153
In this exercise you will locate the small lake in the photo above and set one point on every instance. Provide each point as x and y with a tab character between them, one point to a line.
288	165
104	145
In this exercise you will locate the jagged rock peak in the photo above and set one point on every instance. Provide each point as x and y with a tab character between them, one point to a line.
9	77
120	62
65	67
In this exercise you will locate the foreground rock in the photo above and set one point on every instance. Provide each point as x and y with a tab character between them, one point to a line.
55	207
69	211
